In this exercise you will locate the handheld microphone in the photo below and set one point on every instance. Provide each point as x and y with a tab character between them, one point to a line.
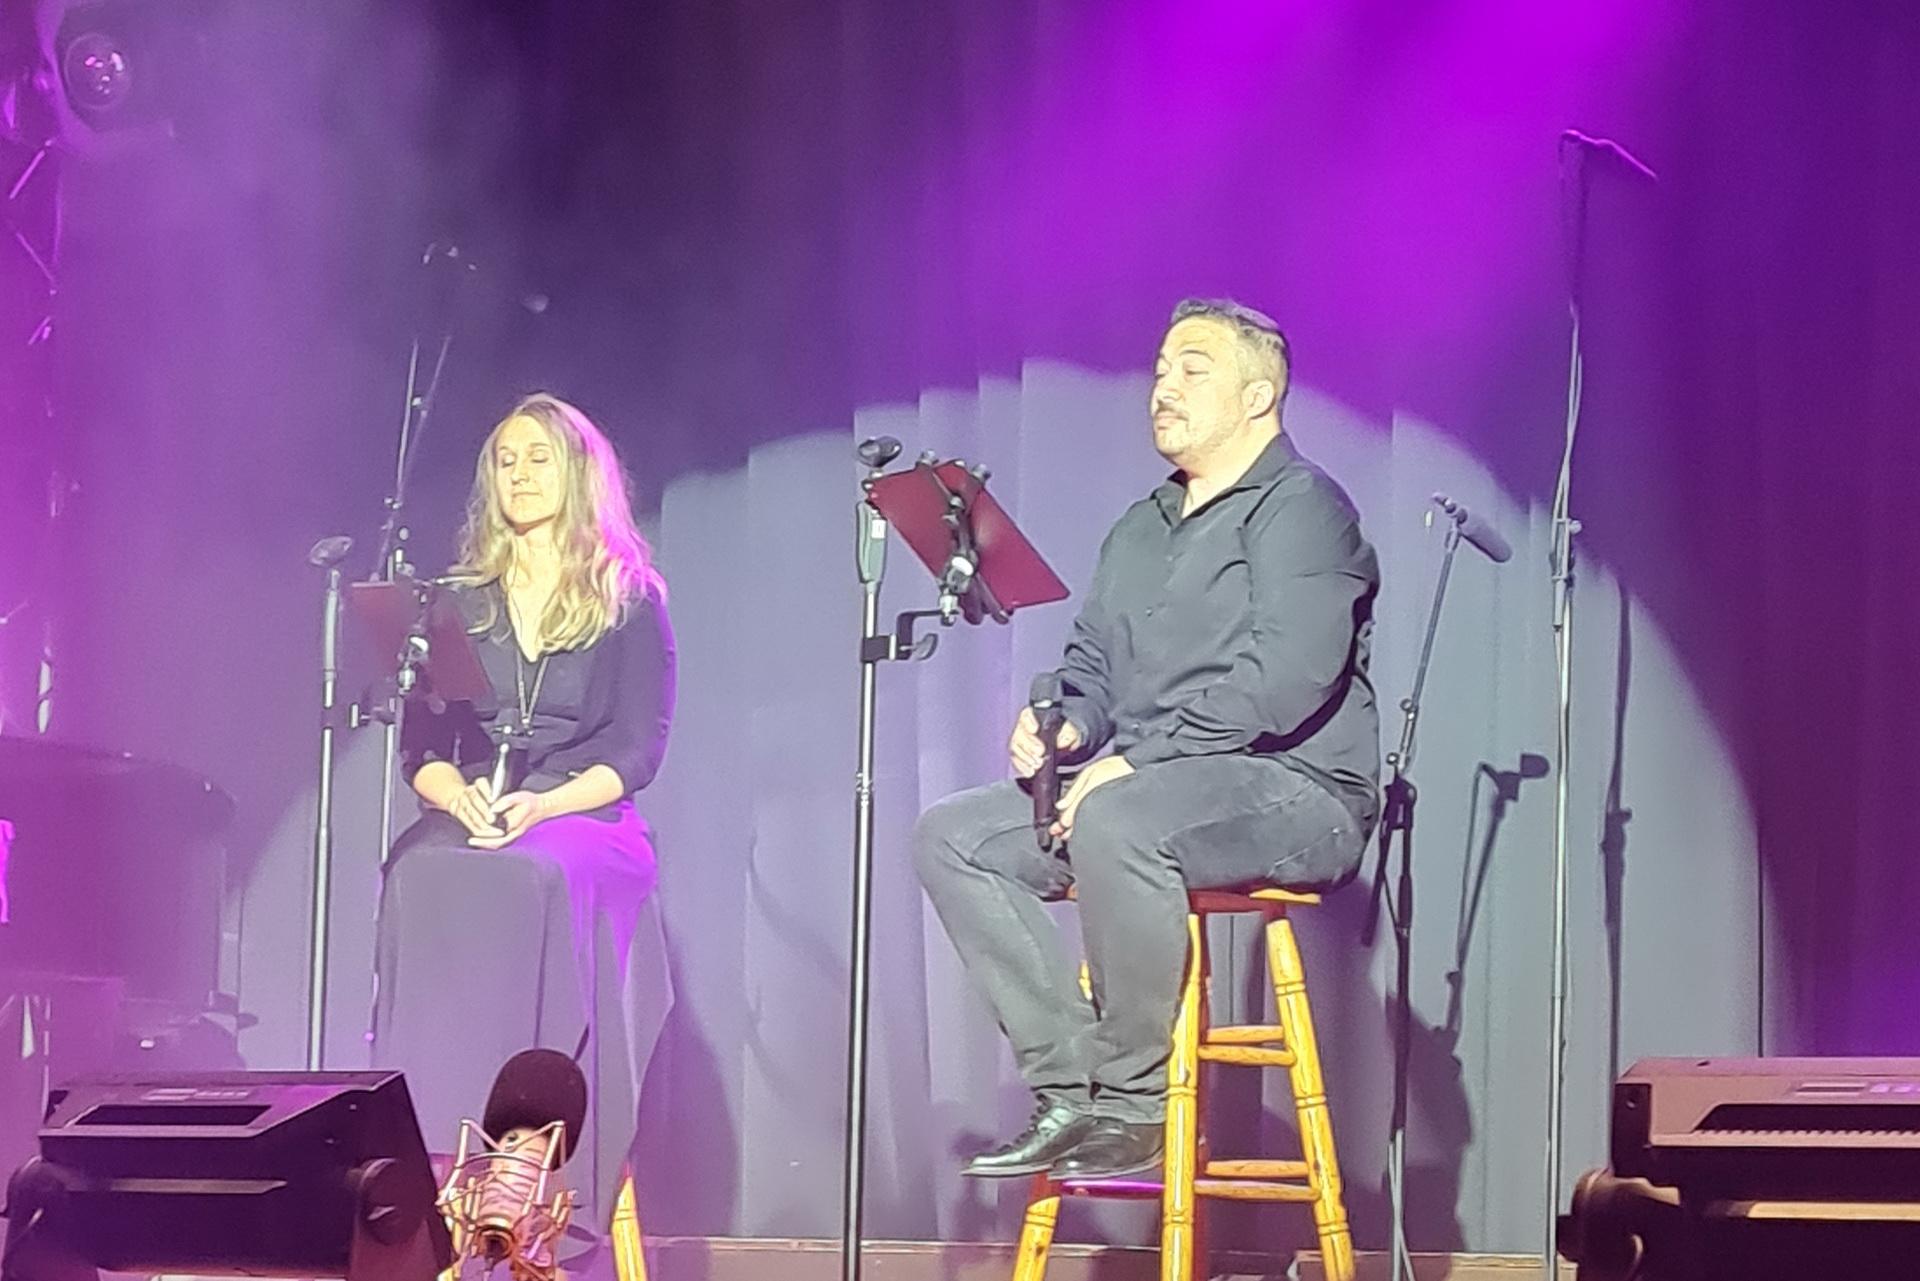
502	757
1046	697
1476	530
504	1199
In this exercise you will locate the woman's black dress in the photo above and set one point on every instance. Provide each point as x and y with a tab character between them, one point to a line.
555	939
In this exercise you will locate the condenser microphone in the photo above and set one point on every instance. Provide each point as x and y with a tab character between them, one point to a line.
1476	530
534	1089
1046	697
505	1197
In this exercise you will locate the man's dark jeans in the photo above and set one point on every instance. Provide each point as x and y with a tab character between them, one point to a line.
1139	843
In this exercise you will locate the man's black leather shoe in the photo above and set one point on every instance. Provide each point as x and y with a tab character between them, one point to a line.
1055	1127
1113	1150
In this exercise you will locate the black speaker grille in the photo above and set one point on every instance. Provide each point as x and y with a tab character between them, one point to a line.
1814	1118
163	1114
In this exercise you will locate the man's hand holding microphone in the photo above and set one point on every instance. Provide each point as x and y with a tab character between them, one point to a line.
1036	758
1025	749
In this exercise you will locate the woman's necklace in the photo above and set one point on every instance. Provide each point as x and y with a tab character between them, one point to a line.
522	732
520	688
526	702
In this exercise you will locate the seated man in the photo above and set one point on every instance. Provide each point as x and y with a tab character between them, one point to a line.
1222	652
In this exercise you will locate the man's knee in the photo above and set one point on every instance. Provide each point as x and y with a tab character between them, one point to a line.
942	832
984	830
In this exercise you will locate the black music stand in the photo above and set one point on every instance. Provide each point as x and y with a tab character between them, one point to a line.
985	568
418	636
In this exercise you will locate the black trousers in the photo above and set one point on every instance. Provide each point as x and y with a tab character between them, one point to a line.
1139	842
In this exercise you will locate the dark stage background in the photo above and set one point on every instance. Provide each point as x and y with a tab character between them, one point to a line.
768	229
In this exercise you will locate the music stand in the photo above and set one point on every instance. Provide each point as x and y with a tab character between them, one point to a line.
985	568
417	631
965	539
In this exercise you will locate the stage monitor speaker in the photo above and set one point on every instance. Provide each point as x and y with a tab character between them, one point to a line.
1754	1170
308	1174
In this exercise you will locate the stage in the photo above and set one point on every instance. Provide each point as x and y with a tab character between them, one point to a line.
1623	292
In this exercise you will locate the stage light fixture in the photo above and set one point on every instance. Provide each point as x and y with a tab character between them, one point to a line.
98	75
122	62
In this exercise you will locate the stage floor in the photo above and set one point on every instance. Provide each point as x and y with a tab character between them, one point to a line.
766	1259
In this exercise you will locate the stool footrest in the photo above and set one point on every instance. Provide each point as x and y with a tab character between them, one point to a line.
1246	1034
1258	1169
1247	1055
1250	1190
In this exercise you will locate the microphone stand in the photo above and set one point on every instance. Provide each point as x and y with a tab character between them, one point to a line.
876	647
1396	818
870	555
1564	529
389	564
964	593
327	555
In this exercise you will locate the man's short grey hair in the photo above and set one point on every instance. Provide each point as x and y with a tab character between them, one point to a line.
1259	335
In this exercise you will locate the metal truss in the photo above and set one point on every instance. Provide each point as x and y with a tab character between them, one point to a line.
33	482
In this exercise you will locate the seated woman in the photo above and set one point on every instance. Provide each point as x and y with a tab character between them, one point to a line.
524	917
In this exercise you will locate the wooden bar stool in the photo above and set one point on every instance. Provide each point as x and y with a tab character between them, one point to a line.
1189	1175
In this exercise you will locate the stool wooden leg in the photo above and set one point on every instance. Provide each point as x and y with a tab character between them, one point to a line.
1310	1099
1181	1165
1036	1231
629	1259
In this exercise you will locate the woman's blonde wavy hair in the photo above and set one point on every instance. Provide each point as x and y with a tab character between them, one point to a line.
605	564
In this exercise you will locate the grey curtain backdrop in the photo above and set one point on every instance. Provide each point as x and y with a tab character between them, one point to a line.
743	1109
765	234
755	864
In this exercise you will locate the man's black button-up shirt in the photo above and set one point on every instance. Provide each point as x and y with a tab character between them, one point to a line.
1243	627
